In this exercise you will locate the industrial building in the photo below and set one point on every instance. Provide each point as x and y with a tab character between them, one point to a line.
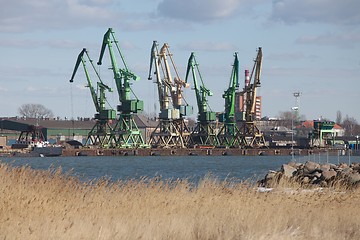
56	130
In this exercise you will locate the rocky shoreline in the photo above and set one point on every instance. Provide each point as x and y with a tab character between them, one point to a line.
311	173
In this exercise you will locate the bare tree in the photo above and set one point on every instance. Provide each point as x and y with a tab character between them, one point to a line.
338	117
351	126
31	110
286	117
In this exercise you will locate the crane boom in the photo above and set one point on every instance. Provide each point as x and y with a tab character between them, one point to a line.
229	94
102	131
229	134
204	133
252	134
250	90
172	129
126	133
107	41
99	101
167	85
162	84
122	76
201	92
167	73
176	83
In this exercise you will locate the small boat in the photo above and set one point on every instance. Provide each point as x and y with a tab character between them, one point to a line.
32	143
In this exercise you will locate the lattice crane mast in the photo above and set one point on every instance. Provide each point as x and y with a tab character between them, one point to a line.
126	130
101	133
204	133
253	136
229	134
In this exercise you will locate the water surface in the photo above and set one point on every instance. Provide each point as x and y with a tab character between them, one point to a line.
170	167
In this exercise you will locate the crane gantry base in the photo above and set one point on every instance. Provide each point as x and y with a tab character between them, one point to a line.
204	134
230	136
100	135
253	136
167	134
126	133
183	130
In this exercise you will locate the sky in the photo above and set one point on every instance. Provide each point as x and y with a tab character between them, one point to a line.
309	46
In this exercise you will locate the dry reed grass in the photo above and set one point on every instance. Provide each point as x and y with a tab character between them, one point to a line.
37	204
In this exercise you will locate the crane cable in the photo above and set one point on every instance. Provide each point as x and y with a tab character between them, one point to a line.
71	102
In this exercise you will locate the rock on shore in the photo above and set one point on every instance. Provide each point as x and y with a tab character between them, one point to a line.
311	173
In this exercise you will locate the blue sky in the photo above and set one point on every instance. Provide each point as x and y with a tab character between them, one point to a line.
309	46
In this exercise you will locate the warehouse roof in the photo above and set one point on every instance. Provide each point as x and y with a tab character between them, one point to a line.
19	123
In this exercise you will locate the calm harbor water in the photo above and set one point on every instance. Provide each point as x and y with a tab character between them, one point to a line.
236	168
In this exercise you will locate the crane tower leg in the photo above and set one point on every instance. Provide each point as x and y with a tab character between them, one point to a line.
127	133
100	135
252	135
230	136
204	134
166	135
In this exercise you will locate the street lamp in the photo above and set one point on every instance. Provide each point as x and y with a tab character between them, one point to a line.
293	109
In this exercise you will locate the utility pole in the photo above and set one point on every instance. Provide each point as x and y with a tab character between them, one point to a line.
293	109
297	104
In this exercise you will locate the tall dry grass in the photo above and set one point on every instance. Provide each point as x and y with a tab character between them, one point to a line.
49	204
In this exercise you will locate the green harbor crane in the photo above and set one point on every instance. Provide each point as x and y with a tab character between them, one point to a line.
171	130
229	134
253	136
204	133
127	133
101	133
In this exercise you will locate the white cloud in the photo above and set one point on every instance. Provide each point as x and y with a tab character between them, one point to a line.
31	43
198	10
208	46
89	11
307	75
96	2
61	44
25	15
19	43
38	15
290	56
343	40
3	89
31	89
322	11
30	15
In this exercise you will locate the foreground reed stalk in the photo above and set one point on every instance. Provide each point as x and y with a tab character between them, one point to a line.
37	204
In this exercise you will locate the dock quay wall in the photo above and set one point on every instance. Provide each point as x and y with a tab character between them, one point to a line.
198	152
